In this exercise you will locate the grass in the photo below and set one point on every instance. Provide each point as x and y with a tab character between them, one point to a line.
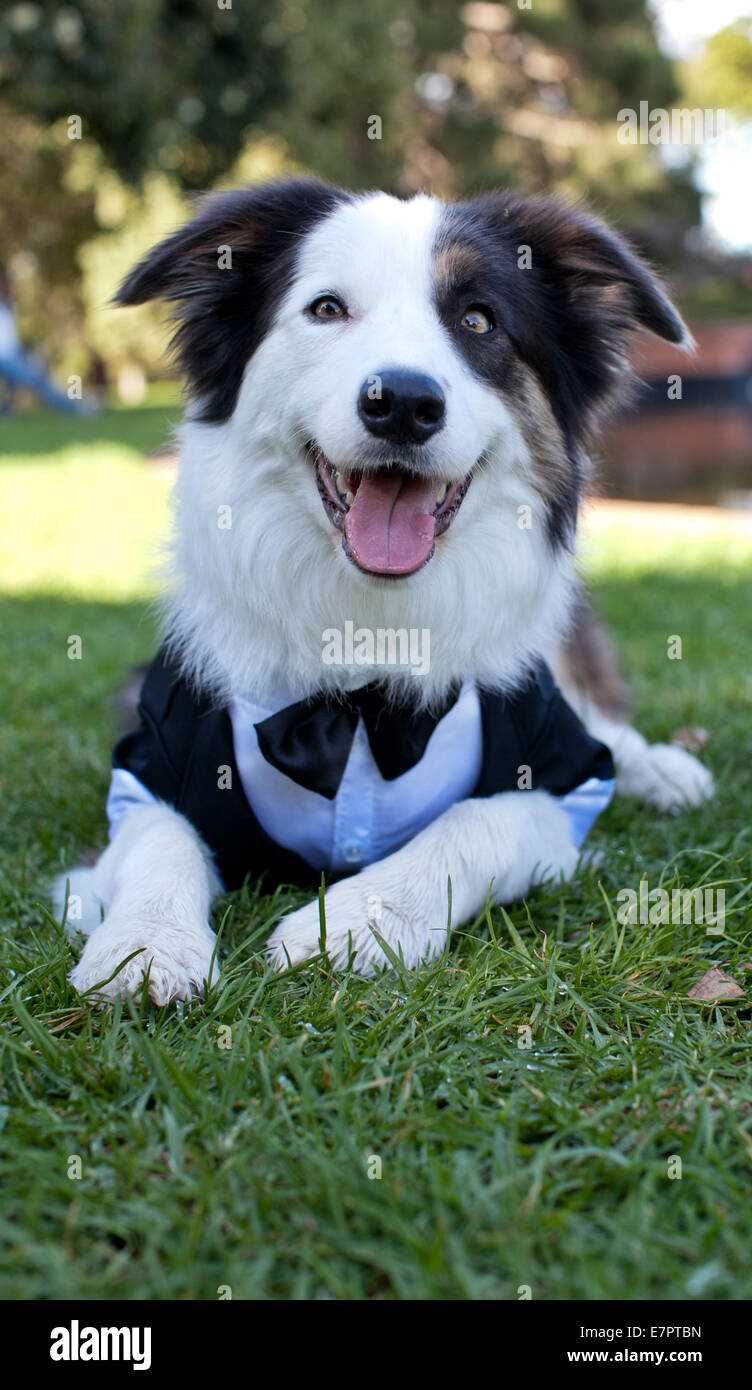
256	1165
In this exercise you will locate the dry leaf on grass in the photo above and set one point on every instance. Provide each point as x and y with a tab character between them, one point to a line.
716	984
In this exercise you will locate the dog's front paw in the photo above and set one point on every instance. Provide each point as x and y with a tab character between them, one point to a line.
355	910
667	777
177	960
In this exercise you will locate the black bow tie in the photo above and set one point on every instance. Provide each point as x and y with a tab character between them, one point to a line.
311	740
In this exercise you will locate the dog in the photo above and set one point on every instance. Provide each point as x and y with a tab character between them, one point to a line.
391	405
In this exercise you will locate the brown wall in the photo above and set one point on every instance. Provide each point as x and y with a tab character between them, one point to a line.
679	447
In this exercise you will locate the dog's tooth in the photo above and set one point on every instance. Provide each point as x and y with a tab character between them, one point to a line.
349	498
441	494
340	480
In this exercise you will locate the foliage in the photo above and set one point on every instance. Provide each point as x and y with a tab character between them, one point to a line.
165	83
721	77
43	221
175	96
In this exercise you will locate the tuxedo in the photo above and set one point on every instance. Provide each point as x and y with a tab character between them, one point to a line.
290	788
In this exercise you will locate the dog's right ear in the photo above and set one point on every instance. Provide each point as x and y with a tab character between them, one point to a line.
225	271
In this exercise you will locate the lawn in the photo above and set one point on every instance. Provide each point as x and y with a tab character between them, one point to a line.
393	1139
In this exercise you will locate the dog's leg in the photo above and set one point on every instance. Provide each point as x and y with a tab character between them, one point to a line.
587	670
499	845
660	773
155	883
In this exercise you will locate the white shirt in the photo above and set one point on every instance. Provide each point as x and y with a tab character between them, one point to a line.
369	817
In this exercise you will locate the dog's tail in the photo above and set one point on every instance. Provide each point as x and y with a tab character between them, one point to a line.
125	702
587	663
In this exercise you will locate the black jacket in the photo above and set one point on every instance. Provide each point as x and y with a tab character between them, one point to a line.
184	738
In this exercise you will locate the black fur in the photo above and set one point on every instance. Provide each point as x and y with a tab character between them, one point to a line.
568	316
223	314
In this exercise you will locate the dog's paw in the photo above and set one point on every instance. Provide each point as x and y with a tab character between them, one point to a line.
355	910
667	777
177	961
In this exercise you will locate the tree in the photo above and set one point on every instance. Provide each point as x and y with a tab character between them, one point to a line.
176	95
165	83
721	76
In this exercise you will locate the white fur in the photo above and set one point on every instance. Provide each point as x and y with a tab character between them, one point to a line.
660	774
248	606
155	883
492	848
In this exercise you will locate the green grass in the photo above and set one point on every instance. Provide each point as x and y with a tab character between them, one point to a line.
248	1166
144	428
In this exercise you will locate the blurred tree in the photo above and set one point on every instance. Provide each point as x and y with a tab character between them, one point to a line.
721	75
484	94
166	83
43	220
720	78
176	95
468	95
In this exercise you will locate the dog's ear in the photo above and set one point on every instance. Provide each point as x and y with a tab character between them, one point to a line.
225	271
601	274
591	291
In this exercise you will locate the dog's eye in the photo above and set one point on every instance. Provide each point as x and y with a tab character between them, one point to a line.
477	319
328	307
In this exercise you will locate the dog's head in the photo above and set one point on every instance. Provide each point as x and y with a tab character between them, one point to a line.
392	383
413	342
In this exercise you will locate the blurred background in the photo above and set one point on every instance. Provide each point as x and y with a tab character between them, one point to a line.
115	114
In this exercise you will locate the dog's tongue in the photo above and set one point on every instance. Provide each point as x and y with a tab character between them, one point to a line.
390	527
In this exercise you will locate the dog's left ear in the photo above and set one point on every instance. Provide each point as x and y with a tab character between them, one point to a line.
603	273
591	291
224	271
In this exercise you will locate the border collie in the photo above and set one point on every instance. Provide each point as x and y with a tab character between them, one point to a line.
391	404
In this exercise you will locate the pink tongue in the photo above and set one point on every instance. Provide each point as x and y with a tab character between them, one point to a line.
390	527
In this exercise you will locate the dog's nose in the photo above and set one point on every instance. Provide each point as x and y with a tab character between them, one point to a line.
404	407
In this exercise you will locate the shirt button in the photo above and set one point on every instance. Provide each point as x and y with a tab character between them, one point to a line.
353	853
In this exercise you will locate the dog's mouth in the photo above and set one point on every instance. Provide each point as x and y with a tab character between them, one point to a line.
389	517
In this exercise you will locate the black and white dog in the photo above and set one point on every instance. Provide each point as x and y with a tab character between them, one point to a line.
391	403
